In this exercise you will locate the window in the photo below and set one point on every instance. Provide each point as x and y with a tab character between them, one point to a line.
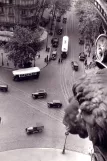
10	1
11	12
23	12
1	10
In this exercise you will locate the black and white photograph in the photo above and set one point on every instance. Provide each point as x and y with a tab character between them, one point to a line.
53	80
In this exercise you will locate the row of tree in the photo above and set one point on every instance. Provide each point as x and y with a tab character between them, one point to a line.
89	21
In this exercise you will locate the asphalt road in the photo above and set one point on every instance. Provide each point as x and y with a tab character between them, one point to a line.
18	110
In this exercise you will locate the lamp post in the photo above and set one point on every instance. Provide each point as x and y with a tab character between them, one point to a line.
2	59
66	134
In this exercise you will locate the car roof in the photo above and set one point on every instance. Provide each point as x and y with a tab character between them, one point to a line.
3	85
56	101
54	52
75	63
26	70
55	38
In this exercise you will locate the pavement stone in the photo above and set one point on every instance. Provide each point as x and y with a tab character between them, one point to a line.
44	154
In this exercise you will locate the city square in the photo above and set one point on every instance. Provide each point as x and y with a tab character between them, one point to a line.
18	110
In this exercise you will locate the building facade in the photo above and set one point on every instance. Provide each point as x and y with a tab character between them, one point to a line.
20	12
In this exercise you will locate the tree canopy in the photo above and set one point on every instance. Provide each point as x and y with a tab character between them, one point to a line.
23	46
89	19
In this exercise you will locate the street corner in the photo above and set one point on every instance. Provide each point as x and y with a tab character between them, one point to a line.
44	154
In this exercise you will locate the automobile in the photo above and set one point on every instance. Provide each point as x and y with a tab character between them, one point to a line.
3	87
55	42
54	104
58	18
81	41
35	129
82	56
54	55
59	31
39	94
74	65
64	20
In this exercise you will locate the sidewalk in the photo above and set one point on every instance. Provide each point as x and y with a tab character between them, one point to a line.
38	61
35	154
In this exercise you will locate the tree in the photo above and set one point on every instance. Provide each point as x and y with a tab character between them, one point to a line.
89	20
23	46
62	6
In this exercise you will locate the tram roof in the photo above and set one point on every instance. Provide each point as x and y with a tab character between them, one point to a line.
26	70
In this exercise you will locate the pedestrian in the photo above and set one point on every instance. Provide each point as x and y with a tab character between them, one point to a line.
47	57
85	62
39	56
7	63
59	60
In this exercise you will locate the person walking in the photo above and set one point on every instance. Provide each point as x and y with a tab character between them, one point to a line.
85	62
59	60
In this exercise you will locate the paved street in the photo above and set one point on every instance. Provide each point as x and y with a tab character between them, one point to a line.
18	110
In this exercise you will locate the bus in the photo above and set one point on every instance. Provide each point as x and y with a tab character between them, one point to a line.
26	73
65	42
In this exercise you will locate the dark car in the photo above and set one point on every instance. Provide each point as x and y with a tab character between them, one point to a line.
39	94
37	129
58	18
54	55
3	87
59	31
64	20
74	65
81	41
55	42
54	104
82	56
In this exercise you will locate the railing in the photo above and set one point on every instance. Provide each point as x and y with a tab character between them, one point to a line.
101	10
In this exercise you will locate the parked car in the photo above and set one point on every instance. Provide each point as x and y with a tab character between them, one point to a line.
59	31
55	42
54	104
36	129
74	65
81	41
82	56
3	87
39	94
64	19
58	18
54	55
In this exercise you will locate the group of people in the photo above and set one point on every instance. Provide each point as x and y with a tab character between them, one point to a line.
60	60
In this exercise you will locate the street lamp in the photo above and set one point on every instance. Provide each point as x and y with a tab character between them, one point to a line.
66	134
2	59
